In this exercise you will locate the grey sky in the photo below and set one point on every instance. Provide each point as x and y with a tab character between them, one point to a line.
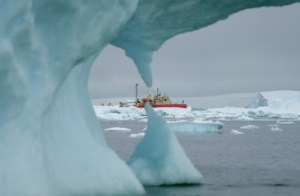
253	50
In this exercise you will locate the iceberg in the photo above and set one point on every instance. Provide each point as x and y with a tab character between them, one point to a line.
273	99
196	126
117	129
235	132
250	127
51	141
159	158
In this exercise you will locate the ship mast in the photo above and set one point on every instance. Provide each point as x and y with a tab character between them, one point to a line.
136	89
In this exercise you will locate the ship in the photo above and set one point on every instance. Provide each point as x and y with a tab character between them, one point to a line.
157	101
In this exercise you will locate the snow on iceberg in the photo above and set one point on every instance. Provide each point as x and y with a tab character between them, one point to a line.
275	129
159	158
236	132
250	127
117	129
195	126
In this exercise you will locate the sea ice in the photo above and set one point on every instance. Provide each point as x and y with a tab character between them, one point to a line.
275	129
285	122
236	132
159	158
250	127
117	129
245	118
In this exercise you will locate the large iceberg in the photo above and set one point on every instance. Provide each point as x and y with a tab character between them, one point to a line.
51	142
273	99
159	158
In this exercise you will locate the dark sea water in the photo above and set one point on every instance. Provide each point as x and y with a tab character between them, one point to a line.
259	162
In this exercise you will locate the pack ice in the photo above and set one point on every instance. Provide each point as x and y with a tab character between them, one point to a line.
51	142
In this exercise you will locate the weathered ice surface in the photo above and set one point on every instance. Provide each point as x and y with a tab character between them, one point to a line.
156	21
159	158
50	140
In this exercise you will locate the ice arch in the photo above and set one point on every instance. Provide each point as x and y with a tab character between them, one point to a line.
156	21
50	140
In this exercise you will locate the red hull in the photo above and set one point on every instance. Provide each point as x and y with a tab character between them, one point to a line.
166	106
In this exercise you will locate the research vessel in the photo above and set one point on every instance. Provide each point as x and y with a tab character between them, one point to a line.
156	102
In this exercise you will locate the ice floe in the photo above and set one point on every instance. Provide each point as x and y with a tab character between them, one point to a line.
137	135
144	120
236	132
245	118
117	129
285	122
196	126
275	125
250	127
275	129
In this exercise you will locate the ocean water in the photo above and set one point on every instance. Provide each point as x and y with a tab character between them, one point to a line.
259	162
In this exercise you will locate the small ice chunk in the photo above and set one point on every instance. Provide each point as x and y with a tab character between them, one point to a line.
144	120
137	135
222	118
285	122
117	129
250	127
245	118
119	122
236	132
275	129
275	125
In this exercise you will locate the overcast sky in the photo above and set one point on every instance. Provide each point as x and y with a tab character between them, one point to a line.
252	51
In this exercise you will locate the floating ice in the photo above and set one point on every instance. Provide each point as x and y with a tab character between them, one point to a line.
275	125
236	132
144	120
250	127
117	129
195	126
137	135
285	122
159	158
245	118
275	129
